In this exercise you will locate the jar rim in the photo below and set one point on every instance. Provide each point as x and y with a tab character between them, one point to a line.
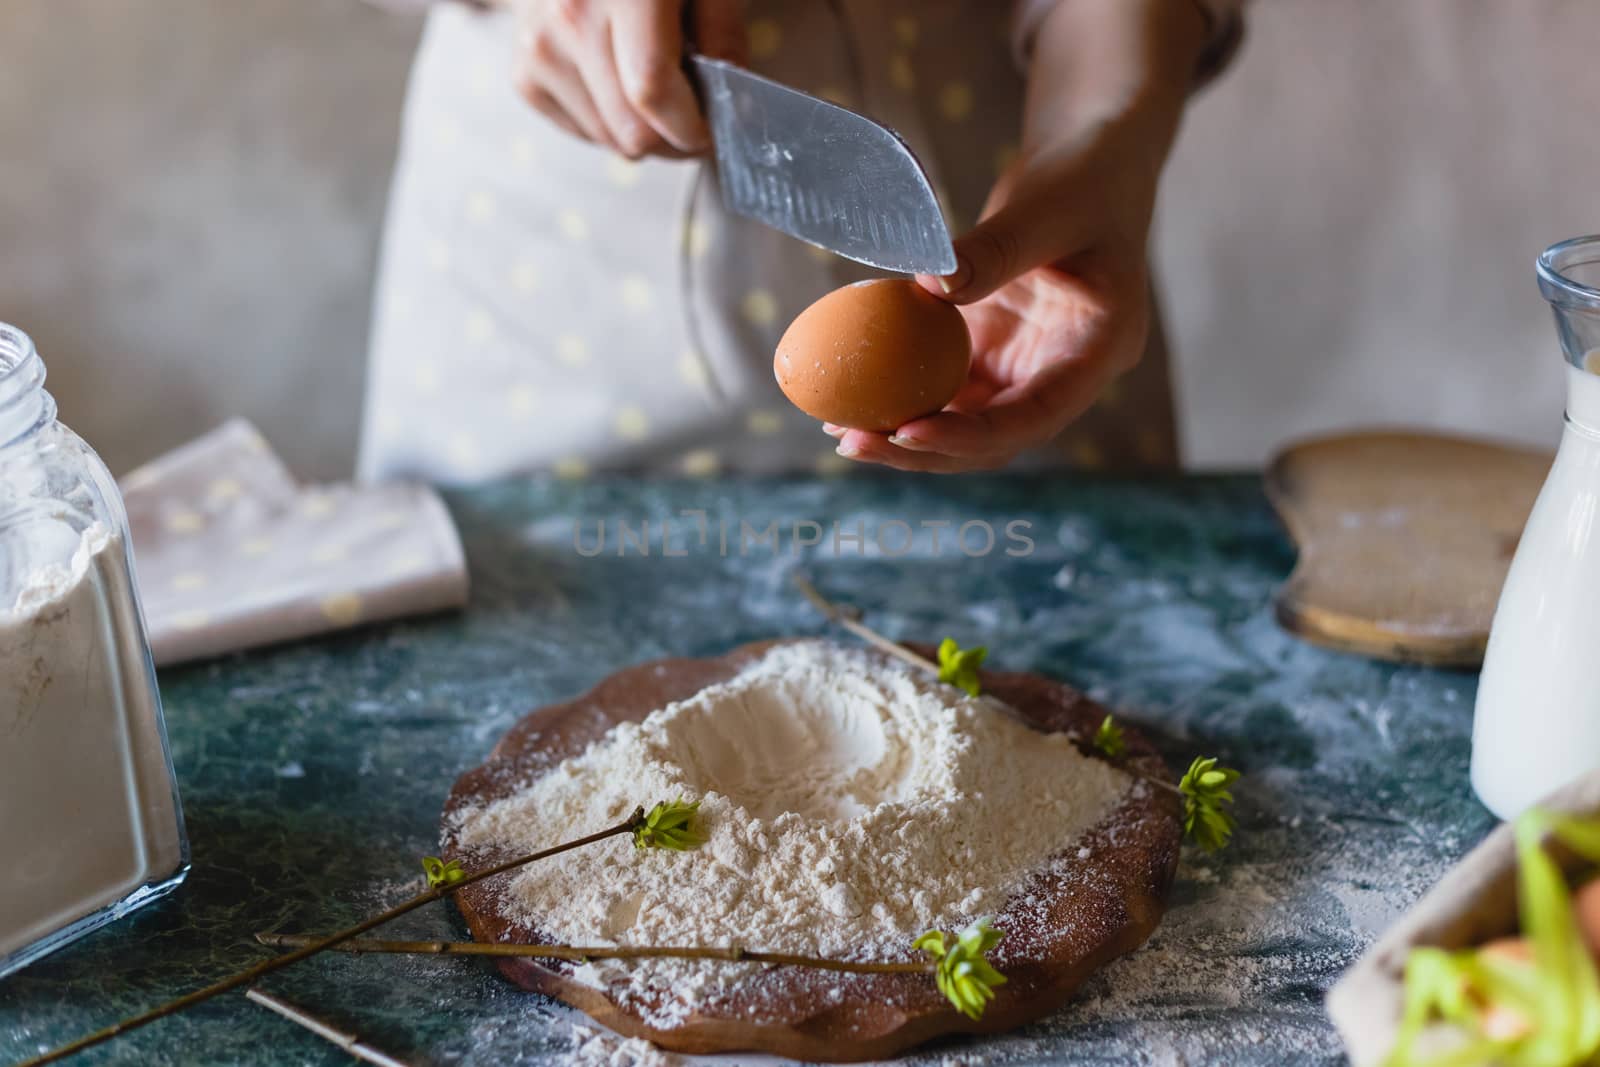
24	405
1555	261
16	351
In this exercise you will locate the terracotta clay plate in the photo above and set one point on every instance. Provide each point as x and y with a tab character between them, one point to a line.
1068	919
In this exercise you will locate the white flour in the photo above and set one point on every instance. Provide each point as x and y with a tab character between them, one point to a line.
598	1048
850	801
86	808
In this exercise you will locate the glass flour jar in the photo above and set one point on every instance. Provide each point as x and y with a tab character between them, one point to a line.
90	826
1537	721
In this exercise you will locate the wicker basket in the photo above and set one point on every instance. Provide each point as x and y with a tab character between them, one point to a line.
1474	902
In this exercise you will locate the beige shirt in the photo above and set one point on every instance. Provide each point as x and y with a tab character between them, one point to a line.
545	305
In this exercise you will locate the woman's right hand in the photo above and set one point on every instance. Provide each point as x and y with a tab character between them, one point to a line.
611	71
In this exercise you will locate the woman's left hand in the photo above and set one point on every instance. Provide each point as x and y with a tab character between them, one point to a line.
1046	340
1054	281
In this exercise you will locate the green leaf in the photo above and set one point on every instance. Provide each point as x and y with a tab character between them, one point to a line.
1109	738
670	825
959	667
1437	986
1206	798
1580	835
962	970
441	873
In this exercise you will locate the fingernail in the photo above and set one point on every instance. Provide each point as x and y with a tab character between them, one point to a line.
950	283
905	442
846	449
832	430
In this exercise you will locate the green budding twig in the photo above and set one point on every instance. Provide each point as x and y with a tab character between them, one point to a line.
448	881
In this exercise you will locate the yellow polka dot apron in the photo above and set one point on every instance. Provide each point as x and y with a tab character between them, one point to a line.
544	305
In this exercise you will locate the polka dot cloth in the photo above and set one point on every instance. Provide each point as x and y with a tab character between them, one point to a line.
765	37
760	307
524	276
573	225
572	349
232	553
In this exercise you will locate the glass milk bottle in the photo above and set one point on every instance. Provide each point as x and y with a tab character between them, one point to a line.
90	826
1537	724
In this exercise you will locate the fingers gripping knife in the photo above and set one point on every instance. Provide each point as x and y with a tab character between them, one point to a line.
821	172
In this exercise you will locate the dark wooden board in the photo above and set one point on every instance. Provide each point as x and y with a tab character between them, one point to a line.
1064	924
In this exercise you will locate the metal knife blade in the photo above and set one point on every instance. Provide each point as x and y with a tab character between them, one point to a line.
821	172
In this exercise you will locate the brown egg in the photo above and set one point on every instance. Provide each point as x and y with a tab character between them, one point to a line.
1513	950
1502	1022
1586	902
874	355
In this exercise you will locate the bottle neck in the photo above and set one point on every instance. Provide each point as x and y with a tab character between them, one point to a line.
1583	400
25	407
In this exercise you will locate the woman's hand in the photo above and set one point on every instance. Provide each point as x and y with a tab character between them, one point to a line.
1055	289
1054	281
611	71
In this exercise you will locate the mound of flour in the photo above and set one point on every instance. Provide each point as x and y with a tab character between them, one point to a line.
850	803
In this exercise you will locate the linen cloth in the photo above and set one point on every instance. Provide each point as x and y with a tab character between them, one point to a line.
231	553
545	305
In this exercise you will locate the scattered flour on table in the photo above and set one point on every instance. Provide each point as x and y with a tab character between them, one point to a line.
593	1047
850	803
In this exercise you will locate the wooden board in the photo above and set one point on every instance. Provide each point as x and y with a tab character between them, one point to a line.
1404	540
1064	924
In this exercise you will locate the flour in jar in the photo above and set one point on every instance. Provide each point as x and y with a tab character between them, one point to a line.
849	803
87	811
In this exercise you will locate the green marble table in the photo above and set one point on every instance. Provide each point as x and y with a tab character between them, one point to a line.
312	775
